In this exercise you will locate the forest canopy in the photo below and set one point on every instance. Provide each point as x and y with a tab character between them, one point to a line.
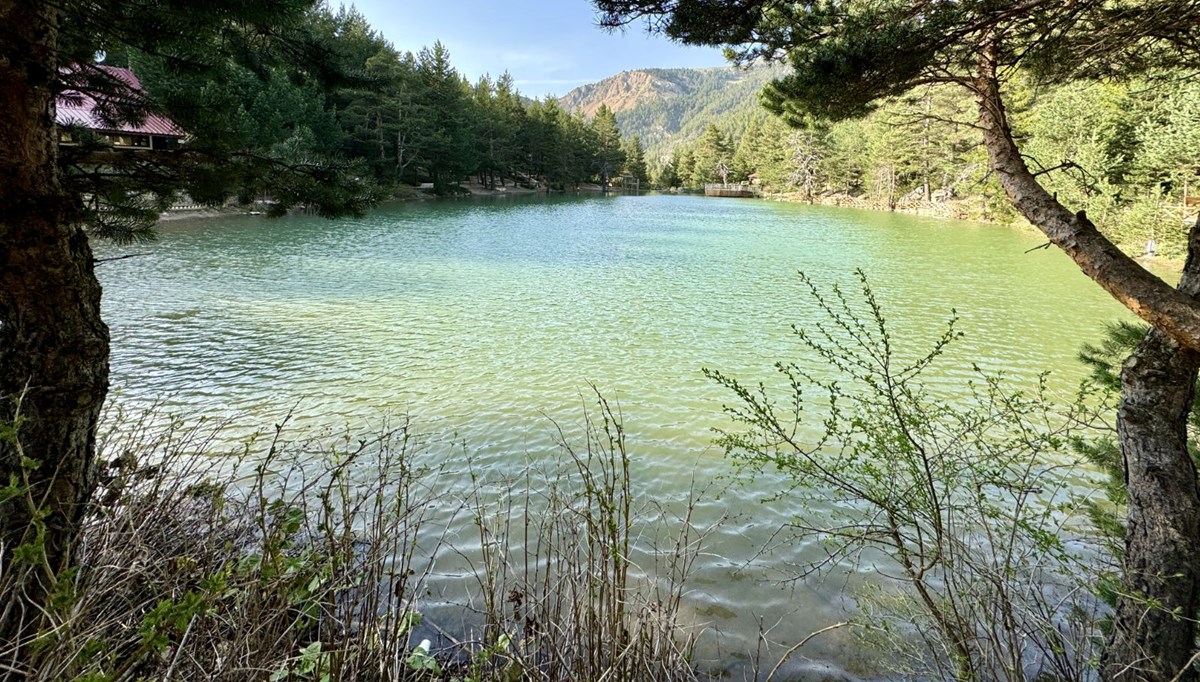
334	119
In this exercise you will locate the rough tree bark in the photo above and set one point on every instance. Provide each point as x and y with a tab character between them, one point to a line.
53	344
1162	540
1155	641
1153	637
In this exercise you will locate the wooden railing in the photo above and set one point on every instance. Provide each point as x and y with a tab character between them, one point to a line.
729	189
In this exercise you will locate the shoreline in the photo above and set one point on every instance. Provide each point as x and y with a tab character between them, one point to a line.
170	216
473	190
954	209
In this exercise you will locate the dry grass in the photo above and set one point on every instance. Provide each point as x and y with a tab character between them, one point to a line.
561	597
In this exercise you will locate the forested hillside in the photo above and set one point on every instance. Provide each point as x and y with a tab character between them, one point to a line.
664	107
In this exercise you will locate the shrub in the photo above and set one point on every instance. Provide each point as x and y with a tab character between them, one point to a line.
963	503
308	559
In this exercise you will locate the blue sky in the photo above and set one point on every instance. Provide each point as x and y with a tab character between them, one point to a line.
549	46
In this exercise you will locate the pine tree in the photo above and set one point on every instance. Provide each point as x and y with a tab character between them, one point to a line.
546	138
846	58
807	159
771	154
712	157
686	169
609	155
745	157
635	160
1169	142
449	150
508	108
668	174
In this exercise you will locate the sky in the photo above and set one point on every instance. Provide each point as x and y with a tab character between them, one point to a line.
549	46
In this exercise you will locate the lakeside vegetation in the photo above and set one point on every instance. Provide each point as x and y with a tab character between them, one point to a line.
333	120
1125	152
305	558
846	60
309	558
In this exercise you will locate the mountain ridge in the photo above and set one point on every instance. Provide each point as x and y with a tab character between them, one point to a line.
667	106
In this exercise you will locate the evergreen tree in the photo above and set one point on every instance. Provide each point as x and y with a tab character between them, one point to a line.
745	157
449	153
546	139
807	160
770	153
712	157
609	155
686	169
492	133
1169	142
507	107
669	176
1072	132
580	160
891	150
635	160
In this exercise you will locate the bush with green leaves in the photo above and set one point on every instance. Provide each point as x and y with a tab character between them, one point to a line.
961	504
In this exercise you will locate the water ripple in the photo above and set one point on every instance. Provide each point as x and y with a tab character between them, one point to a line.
485	321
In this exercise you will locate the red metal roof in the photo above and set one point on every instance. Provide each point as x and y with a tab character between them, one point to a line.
75	108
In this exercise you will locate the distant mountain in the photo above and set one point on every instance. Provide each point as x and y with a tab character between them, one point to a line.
667	106
630	89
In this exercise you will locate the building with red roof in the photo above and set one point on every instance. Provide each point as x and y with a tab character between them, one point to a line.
97	113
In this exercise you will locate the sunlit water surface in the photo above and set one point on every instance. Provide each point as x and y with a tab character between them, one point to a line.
485	321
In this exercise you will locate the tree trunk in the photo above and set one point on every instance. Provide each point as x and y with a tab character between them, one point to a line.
1139	290
925	146
1154	632
53	344
1153	635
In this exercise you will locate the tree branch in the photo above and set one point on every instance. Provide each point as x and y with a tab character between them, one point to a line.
1174	312
97	261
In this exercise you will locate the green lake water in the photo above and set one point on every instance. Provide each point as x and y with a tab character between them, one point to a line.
485	320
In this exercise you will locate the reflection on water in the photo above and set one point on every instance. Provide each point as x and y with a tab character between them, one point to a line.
485	321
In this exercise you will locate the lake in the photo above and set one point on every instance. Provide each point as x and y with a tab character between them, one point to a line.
486	322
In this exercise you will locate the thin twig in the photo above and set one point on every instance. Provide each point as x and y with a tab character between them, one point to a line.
796	647
179	649
98	261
